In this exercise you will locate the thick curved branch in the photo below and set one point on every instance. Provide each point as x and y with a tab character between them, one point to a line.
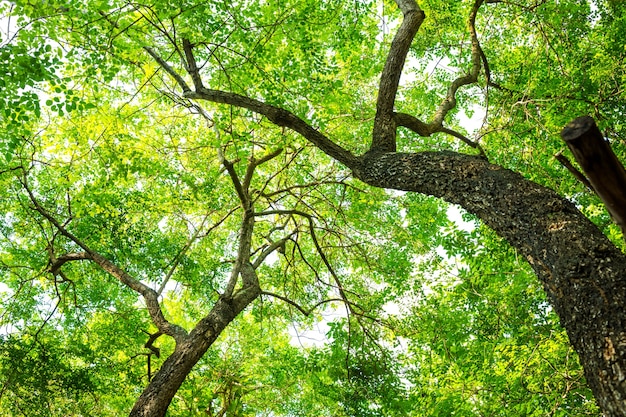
471	77
274	114
384	132
581	270
423	129
58	262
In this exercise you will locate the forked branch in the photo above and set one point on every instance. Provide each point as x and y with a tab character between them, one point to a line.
449	102
150	296
274	114
304	311
384	132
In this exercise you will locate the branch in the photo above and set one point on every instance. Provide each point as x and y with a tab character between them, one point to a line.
150	343
57	263
254	163
279	117
384	132
195	236
271	248
318	248
605	171
230	168
150	296
297	306
450	101
192	66
243	252
464	139
179	80
423	129
572	169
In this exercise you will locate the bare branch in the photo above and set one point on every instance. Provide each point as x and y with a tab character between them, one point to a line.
230	168
57	263
297	306
423	129
254	163
242	264
572	169
192	66
279	117
176	76
318	247
271	248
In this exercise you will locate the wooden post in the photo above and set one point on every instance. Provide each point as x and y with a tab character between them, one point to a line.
596	158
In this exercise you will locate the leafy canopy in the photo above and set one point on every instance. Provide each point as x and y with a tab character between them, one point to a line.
420	314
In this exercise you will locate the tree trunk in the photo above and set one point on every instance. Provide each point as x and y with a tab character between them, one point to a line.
159	393
583	273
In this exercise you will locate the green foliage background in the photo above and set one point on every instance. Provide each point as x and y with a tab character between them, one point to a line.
446	320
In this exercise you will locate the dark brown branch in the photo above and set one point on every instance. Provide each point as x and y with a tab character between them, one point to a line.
243	254
192	66
57	263
230	168
413	123
470	78
271	248
150	296
423	129
563	160
384	132
276	115
279	117
150	343
254	163
179	80
299	307
605	172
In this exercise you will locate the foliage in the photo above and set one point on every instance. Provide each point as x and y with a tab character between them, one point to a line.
442	319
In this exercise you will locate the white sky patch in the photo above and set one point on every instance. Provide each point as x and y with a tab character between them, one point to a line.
455	214
315	335
472	124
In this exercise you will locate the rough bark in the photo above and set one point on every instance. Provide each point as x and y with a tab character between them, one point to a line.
583	273
157	396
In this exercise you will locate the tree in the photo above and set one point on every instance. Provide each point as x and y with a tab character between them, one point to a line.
211	158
